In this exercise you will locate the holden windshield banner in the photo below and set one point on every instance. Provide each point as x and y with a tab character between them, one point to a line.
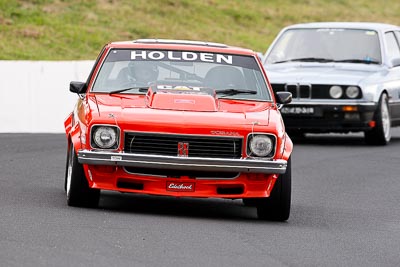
181	56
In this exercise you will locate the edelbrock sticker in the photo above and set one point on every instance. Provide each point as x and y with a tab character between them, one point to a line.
180	186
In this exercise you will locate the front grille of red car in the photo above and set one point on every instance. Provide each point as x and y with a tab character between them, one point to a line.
194	146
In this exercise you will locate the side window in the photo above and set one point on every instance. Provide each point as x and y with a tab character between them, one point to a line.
393	50
397	33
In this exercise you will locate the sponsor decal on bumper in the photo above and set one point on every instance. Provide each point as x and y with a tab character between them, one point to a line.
180	187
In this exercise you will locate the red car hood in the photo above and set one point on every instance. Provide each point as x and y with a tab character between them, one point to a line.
137	112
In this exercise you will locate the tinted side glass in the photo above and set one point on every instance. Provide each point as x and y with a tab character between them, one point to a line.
393	50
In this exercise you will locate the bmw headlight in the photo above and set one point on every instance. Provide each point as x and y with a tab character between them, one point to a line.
260	145
336	91
352	92
105	137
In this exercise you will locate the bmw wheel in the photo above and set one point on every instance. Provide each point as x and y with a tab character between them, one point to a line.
277	206
380	134
79	194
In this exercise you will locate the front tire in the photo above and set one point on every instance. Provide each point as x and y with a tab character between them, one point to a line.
380	134
79	194
277	206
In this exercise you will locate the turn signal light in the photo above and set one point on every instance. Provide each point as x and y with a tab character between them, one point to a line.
350	108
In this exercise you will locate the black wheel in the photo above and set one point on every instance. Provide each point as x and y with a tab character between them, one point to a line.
79	194
66	169
277	206
380	134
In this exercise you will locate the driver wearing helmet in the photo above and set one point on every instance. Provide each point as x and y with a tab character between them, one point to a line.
143	72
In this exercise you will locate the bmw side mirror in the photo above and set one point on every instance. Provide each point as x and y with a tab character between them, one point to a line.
395	62
260	56
77	87
283	97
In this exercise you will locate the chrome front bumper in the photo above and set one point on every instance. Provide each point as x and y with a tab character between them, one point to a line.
182	163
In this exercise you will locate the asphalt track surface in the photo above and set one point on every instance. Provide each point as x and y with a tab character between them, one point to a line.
345	212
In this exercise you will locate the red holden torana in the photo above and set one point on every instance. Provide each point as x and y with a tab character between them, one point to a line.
182	119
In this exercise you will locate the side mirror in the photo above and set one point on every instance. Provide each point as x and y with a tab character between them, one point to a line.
77	87
260	56
395	62
283	97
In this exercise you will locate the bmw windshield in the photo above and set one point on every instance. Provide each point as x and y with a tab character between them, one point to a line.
326	45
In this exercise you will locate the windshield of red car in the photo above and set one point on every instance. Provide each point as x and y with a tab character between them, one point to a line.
326	45
138	69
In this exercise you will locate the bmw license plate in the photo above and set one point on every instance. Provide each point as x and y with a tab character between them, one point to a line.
298	110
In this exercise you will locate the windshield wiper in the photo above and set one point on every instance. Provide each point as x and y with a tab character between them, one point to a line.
306	59
355	60
141	89
231	91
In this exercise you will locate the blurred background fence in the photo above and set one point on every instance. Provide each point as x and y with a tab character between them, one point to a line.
35	96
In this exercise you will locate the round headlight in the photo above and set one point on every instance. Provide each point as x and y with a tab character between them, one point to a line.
261	145
105	137
336	91
352	91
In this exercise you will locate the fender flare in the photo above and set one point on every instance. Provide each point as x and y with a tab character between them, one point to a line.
288	147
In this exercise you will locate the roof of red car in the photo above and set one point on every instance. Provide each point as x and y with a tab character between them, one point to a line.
181	45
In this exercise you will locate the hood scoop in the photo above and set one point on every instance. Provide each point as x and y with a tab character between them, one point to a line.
181	98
